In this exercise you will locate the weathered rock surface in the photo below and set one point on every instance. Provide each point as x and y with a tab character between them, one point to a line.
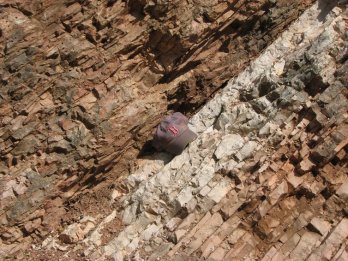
83	83
237	194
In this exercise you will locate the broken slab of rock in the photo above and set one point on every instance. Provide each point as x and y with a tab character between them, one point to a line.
276	194
247	151
229	145
77	231
343	191
321	226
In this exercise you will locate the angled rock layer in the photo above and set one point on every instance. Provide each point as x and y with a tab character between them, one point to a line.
83	83
266	178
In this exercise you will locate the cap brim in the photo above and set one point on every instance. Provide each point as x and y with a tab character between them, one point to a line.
179	143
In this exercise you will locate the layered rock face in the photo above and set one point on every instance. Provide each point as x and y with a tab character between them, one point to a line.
83	83
265	180
267	177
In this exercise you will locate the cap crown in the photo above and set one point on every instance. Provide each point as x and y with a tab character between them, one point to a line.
169	129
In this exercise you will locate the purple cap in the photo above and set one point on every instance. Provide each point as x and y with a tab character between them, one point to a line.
173	134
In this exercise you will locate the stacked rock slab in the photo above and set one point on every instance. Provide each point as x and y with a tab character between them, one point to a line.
267	177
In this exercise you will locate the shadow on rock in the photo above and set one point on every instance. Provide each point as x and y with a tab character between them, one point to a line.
150	153
326	6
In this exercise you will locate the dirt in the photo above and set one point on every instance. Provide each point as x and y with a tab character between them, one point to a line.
111	229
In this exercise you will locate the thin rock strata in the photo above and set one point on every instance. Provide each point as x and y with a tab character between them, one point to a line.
267	177
83	83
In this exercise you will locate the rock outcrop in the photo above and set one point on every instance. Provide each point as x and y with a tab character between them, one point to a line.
83	83
266	178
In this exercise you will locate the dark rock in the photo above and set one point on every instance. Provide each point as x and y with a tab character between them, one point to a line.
24	131
28	145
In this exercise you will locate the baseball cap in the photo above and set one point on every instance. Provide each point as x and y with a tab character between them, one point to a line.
173	134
